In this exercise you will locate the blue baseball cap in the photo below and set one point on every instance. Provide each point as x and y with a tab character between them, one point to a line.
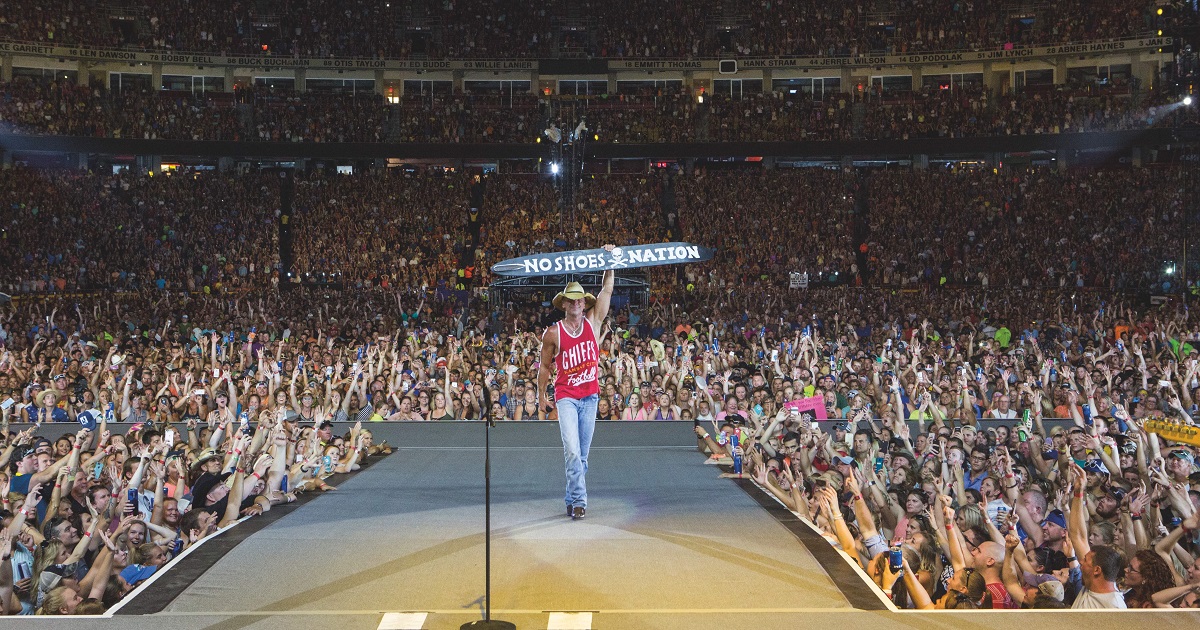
1056	517
1096	466
135	573
87	419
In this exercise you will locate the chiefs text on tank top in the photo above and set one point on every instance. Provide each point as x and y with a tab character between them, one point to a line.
576	363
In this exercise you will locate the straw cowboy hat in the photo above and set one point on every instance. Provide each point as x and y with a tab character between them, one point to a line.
574	291
205	455
41	398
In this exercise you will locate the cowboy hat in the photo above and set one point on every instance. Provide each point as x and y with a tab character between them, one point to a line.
41	398
205	455
574	291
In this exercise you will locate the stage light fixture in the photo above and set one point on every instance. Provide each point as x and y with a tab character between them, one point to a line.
1187	100
554	168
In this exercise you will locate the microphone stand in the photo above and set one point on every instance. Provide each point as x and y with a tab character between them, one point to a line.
487	623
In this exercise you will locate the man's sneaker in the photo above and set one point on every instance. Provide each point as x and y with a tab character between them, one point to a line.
570	511
577	513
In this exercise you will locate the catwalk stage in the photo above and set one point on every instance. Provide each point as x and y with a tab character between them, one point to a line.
666	544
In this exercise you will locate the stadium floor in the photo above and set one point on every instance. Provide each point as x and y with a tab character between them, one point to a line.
667	544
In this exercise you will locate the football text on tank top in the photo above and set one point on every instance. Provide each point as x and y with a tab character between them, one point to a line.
576	363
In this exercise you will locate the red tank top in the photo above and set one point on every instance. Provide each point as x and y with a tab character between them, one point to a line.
576	363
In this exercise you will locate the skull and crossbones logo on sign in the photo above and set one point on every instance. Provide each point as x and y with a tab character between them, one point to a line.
618	258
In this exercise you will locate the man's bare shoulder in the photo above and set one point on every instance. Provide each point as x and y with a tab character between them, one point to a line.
550	335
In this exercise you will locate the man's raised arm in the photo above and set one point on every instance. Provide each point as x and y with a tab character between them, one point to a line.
604	298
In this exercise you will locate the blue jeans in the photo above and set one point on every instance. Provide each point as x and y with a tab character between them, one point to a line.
576	423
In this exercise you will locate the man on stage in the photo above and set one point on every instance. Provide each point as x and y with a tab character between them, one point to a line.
574	347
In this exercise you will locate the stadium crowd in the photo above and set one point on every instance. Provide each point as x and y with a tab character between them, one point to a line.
205	231
936	471
923	450
267	115
632	28
88	232
466	118
394	231
740	215
90	515
964	228
964	401
859	28
293	117
924	394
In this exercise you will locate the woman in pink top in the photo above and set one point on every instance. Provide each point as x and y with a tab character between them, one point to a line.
635	410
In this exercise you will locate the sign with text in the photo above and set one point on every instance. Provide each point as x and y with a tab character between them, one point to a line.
585	260
813	407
